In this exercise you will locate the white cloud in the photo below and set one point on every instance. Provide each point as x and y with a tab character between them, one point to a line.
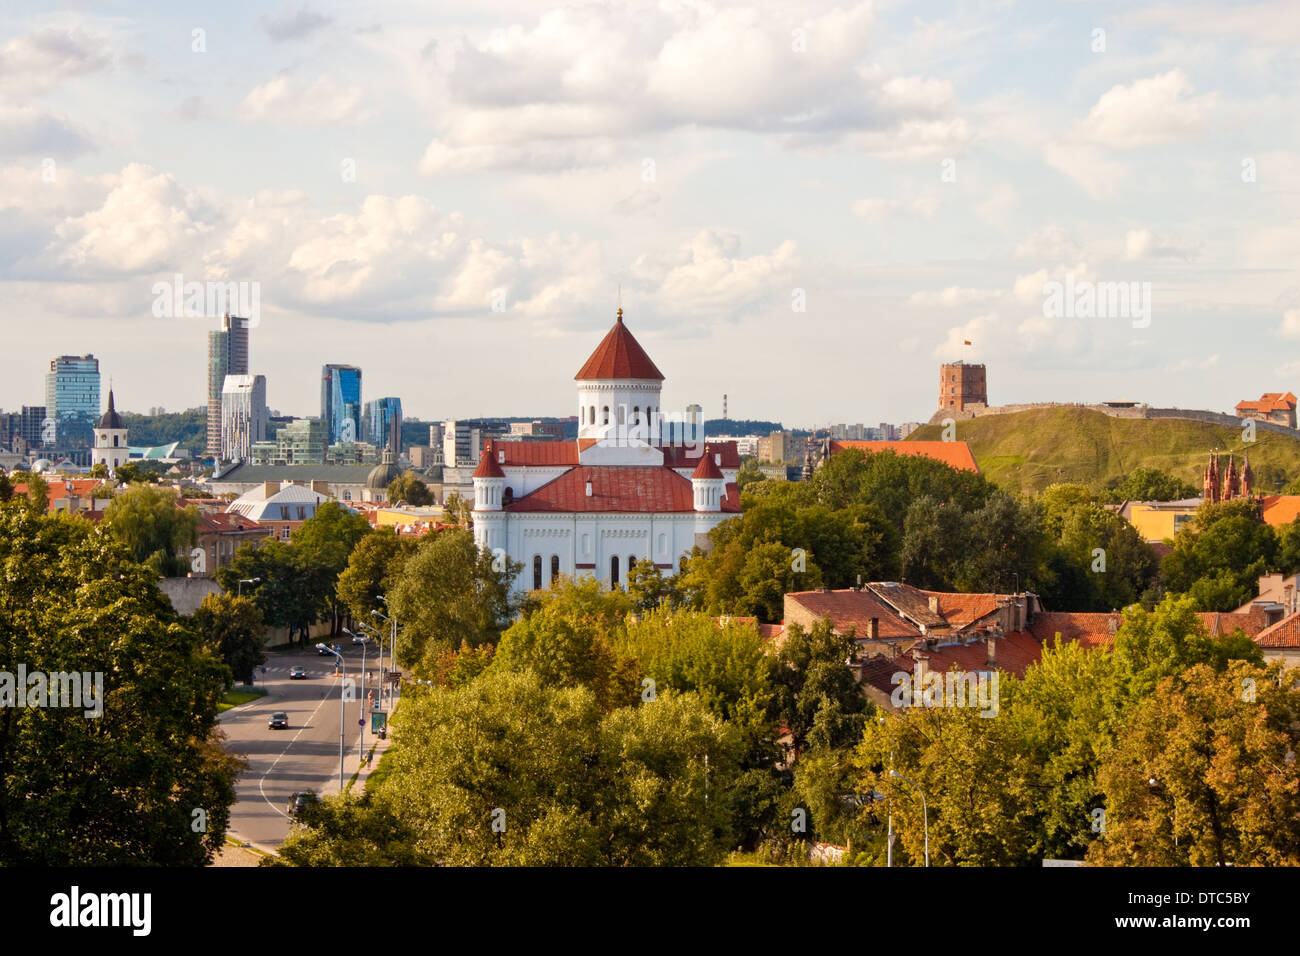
323	102
879	209
953	296
573	89
1049	242
1143	244
1290	327
39	61
1157	109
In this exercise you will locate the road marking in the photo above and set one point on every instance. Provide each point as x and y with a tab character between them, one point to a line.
261	782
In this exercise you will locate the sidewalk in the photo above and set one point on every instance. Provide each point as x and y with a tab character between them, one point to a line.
353	760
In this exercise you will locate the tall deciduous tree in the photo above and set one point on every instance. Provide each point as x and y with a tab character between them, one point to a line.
147	520
232	626
450	592
131	785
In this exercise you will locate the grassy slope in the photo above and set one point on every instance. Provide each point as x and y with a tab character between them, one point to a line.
1030	450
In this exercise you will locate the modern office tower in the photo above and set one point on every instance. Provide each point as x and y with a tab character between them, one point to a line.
383	420
243	415
72	403
227	355
301	442
27	426
340	402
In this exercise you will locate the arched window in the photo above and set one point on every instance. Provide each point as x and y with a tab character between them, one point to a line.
537	572
591	416
507	496
631	563
613	573
605	410
636	414
555	567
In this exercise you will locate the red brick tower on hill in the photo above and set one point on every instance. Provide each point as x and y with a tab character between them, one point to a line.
962	385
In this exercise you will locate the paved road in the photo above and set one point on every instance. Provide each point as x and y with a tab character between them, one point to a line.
303	757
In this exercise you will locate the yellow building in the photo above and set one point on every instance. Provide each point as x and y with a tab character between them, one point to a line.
398	517
1157	520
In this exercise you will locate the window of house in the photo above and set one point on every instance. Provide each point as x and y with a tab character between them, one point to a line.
537	572
555	567
302	512
636	414
605	415
613	572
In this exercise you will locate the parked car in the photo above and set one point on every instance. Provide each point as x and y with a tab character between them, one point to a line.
297	672
358	639
279	721
301	800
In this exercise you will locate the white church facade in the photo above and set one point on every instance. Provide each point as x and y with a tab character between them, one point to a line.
635	485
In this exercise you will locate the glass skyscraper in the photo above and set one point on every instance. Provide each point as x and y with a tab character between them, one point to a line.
384	424
227	355
71	403
340	403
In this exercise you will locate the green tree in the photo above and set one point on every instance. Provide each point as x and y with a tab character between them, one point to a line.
282	588
811	676
133	472
122	787
157	533
350	831
323	544
38	492
456	510
448	593
232	627
1150	484
748	474
513	771
1229	538
374	565
1204	773
566	641
410	488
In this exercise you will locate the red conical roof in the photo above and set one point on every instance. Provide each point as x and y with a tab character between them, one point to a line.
619	355
488	467
708	466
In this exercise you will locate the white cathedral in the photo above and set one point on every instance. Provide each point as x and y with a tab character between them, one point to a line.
635	485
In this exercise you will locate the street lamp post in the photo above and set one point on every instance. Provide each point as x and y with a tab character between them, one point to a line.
343	667
889	844
925	812
392	645
365	642
239	592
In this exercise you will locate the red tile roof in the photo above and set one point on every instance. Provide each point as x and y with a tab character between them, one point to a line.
627	489
1285	633
619	355
960	609
954	454
226	522
1014	653
850	608
536	452
708	467
1281	509
1270	402
487	464
685	456
1097	630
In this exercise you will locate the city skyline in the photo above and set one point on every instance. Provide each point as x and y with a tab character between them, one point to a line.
410	190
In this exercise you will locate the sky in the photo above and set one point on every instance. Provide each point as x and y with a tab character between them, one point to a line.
806	207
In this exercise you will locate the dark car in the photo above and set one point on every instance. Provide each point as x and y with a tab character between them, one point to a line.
325	650
279	721
297	672
301	800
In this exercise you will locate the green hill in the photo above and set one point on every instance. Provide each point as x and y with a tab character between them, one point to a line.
1029	450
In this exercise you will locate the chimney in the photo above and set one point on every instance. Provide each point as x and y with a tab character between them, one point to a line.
588	487
323	487
270	487
934	604
991	657
873	629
